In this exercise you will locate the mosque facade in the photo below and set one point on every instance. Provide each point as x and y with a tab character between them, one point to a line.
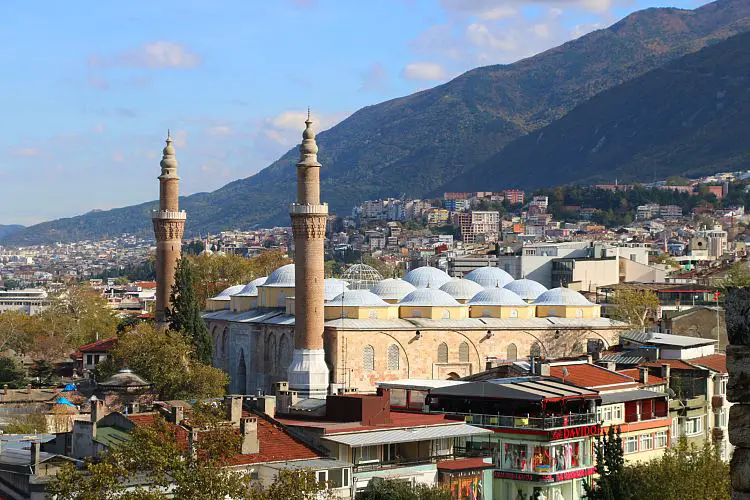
326	335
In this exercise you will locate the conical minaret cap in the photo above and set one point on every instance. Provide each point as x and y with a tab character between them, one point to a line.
308	150
168	160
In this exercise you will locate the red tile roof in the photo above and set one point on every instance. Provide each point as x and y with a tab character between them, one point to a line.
635	373
592	376
674	364
104	345
276	444
463	464
398	419
715	362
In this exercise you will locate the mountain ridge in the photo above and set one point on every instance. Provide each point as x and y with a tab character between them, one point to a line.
435	135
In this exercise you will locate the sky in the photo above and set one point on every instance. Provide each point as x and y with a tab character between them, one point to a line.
89	88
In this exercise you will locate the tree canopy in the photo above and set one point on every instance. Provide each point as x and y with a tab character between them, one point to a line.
638	308
612	482
185	314
385	489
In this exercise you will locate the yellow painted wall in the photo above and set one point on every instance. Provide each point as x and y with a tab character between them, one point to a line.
269	296
586	312
216	305
522	312
429	312
354	312
240	304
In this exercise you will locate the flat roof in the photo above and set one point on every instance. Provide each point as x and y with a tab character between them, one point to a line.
311	463
636	395
665	339
419	384
406	435
520	388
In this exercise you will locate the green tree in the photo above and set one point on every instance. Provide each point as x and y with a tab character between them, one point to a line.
11	372
165	358
32	423
185	314
612	482
684	471
638	308
383	489
153	461
738	276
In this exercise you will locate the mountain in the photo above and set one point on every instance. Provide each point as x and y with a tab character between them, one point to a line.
690	117
415	144
6	230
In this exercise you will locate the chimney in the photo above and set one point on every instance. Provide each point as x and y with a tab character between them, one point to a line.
34	457
97	410
249	432
281	386
609	365
193	442
666	372
266	404
178	414
544	369
133	408
643	375
233	405
589	359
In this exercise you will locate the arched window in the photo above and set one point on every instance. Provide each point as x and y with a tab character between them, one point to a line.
512	353
393	355
453	376
579	313
271	355
241	382
373	314
368	358
463	352
443	353
446	314
577	347
281	301
536	350
514	313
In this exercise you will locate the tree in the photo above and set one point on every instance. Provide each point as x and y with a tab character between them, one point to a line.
185	314
612	482
14	329
684	471
385	489
153	461
738	276
638	308
11	372
165	358
32	423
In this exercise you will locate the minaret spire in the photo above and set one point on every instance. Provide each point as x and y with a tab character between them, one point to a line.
308	372
169	226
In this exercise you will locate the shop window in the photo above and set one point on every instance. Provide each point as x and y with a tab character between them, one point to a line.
515	457
463	352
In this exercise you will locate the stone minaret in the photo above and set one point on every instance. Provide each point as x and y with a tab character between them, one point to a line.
169	224
308	373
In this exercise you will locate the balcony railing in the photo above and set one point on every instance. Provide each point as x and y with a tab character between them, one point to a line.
515	422
404	462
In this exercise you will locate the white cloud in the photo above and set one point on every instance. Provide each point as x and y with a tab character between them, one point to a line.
488	10
26	152
156	55
478	34
219	130
423	71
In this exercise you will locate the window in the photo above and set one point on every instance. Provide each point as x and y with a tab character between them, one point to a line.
366	454
515	457
442	353
463	352
512	352
322	477
723	385
661	439
675	429
441	447
536	349
373	314
89	359
647	442
722	417
446	314
514	313
693	426
393	357
617	412
631	444
605	413
579	313
368	358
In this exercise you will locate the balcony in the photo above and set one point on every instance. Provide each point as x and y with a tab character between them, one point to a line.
402	462
166	214
640	417
514	422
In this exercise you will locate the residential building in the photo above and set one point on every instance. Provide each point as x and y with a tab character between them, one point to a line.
514	196
478	226
28	301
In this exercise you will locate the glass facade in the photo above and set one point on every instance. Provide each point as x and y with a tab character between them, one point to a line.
545	458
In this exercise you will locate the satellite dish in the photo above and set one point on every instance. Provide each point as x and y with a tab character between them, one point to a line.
565	371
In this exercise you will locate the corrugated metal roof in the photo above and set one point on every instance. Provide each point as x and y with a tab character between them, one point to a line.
312	463
623	359
406	435
621	397
666	339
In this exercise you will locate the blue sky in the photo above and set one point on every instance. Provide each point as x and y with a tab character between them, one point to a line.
89	87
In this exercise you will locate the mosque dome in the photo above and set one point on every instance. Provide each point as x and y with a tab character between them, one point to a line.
461	289
251	289
124	379
227	292
562	297
489	277
428	297
358	298
392	289
333	287
426	276
497	297
361	276
526	289
281	277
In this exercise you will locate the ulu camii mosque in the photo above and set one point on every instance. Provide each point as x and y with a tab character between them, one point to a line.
323	335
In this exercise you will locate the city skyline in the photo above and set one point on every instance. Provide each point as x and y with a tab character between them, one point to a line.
95	90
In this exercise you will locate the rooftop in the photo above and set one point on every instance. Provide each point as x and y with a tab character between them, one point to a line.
104	345
664	339
398	419
715	362
592	376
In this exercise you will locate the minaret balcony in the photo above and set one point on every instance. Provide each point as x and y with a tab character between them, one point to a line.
304	209
168	214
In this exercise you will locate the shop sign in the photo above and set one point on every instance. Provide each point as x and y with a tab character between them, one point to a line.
575	432
545	478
